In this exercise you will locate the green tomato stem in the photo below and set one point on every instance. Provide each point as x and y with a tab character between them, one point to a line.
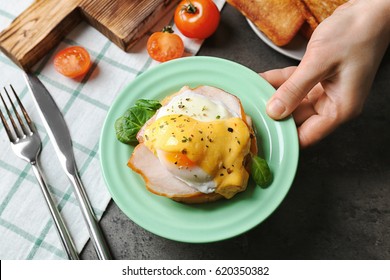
190	8
167	29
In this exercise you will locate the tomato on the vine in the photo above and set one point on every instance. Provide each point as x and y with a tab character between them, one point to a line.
72	62
197	18
165	45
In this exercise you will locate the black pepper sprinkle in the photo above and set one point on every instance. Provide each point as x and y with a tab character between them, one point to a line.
230	129
221	174
184	151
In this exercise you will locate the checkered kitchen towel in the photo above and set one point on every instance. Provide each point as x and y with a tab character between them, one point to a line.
26	229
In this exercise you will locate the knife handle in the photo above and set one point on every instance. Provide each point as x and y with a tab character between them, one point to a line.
95	232
62	230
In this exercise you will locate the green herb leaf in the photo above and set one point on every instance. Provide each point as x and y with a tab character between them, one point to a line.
261	172
148	104
128	125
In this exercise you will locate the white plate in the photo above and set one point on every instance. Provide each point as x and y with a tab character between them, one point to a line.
295	49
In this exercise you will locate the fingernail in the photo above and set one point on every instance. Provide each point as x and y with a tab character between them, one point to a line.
276	108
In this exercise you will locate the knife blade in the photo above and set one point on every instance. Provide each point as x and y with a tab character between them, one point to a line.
59	135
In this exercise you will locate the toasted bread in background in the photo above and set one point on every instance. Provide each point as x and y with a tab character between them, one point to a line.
315	11
279	20
311	22
321	9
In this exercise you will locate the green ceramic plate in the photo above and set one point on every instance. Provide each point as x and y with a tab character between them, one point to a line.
277	141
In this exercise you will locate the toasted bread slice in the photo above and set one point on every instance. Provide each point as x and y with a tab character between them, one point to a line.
306	30
321	9
279	20
311	23
316	11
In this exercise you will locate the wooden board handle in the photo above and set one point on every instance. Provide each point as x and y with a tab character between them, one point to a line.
38	29
42	26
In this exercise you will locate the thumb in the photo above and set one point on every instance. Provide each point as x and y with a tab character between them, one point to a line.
291	93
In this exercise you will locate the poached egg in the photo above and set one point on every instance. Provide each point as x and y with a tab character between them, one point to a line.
201	137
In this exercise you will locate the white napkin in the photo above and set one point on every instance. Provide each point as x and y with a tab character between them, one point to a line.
26	228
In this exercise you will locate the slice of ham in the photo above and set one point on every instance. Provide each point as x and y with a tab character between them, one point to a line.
160	181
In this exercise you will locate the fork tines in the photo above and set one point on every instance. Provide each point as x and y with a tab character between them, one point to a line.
17	133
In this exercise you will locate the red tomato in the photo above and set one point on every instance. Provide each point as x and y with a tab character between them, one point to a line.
72	62
197	18
163	46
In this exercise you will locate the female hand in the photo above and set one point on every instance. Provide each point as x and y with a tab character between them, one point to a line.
334	78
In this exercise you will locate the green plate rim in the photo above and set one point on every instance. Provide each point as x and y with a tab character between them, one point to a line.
281	151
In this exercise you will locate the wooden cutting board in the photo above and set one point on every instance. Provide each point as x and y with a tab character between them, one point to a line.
42	26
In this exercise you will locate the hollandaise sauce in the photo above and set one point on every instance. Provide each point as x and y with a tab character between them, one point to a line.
217	147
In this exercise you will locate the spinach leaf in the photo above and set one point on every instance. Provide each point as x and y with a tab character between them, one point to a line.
261	172
148	104
128	125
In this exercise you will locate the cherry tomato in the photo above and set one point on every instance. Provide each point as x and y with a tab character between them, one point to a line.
72	62
165	45
197	18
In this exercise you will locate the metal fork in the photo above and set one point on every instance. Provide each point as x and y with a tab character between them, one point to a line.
26	144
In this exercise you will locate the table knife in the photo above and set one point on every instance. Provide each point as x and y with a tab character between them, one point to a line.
59	135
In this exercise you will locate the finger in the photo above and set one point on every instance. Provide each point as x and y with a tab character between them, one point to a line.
316	92
289	95
277	77
315	128
307	108
304	111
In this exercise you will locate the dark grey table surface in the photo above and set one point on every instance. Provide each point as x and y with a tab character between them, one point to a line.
339	204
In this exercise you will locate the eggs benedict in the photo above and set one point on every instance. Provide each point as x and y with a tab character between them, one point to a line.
197	147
